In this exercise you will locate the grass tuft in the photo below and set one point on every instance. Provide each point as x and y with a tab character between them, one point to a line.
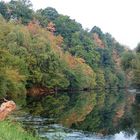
13	131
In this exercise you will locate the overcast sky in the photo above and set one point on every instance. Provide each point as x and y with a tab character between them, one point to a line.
121	18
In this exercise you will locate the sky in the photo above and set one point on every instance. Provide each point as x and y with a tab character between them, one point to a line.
121	18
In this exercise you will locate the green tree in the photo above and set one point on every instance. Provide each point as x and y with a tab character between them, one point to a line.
127	60
138	48
100	79
21	10
66	27
4	10
50	13
13	72
97	30
136	71
42	19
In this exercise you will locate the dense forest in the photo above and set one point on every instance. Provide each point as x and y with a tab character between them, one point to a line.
44	51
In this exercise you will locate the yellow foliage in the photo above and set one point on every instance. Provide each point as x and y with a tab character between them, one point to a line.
81	60
14	75
59	40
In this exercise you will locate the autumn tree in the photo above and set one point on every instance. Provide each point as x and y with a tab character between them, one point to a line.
51	27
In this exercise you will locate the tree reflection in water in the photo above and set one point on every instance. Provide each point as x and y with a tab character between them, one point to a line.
102	112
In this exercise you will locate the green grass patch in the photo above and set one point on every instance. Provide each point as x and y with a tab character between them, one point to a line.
14	131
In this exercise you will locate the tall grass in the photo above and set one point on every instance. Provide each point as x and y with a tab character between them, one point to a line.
13	131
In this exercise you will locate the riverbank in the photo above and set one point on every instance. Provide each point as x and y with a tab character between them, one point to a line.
13	131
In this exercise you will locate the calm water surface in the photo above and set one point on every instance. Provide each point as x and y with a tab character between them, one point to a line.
94	115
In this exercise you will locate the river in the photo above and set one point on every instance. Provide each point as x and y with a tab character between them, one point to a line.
93	115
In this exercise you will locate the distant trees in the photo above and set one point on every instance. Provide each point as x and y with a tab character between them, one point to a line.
127	61
84	47
131	64
50	13
31	55
66	27
21	10
136	70
17	10
46	16
97	30
4	10
55	52
138	48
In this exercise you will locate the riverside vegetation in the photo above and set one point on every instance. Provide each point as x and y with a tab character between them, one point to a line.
43	51
14	131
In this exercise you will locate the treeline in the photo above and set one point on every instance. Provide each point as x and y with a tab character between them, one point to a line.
47	50
131	66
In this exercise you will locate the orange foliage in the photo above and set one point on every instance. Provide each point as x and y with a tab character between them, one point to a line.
70	60
55	42
51	27
98	41
33	27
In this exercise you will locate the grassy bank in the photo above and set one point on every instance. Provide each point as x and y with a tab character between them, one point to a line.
13	131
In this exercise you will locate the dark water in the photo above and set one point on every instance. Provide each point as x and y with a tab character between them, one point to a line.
94	115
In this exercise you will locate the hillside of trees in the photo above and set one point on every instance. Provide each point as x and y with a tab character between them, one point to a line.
42	51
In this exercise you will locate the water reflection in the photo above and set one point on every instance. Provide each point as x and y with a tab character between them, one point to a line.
108	113
111	115
136	115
